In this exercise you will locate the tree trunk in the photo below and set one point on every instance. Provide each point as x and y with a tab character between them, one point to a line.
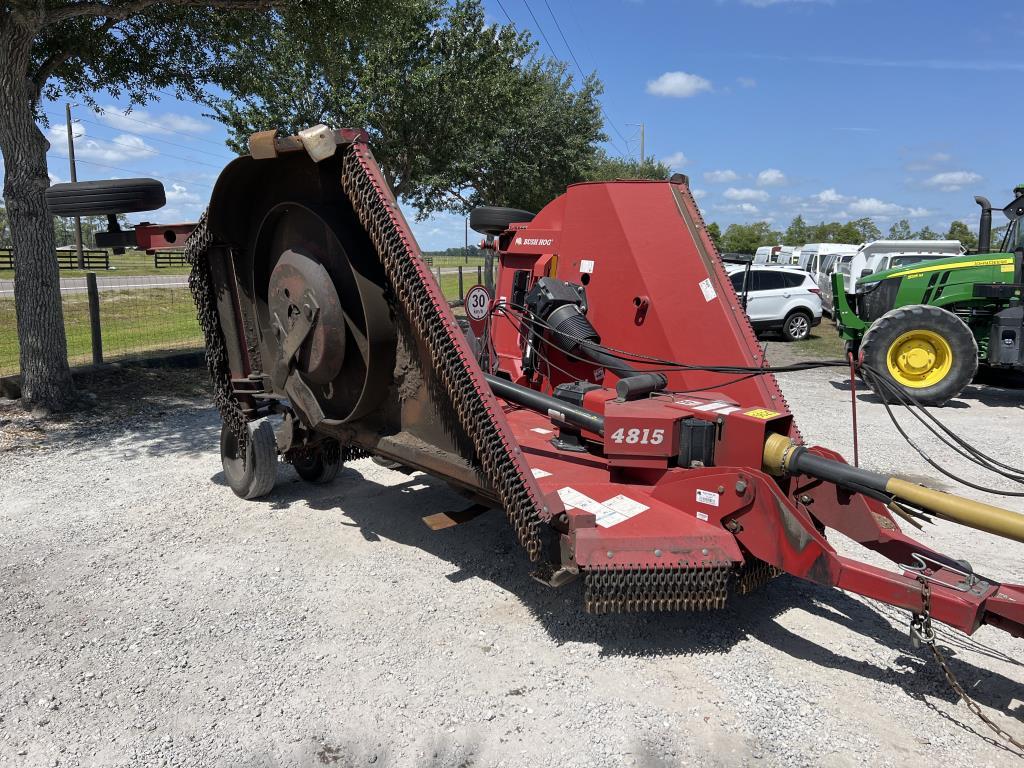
45	377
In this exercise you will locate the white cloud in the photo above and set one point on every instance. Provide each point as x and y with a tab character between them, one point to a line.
720	177
758	195
141	121
771	177
746	82
828	196
121	147
178	194
748	208
951	181
699	193
675	160
872	206
679	85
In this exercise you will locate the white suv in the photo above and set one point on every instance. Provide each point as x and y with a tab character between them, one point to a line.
779	299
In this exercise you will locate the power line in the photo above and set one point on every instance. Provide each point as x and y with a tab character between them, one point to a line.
574	61
170	130
133	171
151	151
148	137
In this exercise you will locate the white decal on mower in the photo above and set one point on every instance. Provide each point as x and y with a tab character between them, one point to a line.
707	497
707	289
638	436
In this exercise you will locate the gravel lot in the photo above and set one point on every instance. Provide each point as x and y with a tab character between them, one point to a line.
149	617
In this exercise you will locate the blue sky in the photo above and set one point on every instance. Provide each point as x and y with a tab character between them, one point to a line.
833	109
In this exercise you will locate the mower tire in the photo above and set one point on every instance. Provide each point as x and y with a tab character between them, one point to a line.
255	477
317	467
926	351
110	196
492	220
797	326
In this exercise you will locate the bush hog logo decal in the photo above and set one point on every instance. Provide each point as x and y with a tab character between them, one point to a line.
534	241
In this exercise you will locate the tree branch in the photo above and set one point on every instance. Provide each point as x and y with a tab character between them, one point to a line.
121	11
58	58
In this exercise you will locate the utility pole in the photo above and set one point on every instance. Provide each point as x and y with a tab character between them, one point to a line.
643	156
74	178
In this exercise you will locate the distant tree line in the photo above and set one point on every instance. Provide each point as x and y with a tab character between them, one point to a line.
747	238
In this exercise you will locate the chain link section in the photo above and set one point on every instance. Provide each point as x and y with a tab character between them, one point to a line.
922	633
204	293
754	574
655	588
497	462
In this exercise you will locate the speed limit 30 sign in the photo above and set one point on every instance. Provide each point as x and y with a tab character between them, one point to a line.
478	302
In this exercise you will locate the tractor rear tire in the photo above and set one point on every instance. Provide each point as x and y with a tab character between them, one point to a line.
492	220
926	351
109	196
255	477
317	467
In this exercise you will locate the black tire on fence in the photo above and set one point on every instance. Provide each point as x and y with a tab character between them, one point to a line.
255	476
945	345
98	198
492	220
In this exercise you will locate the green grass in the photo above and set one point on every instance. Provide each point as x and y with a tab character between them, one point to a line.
132	322
457	261
127	265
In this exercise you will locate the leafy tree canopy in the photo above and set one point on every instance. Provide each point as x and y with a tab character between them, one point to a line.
606	168
460	112
926	233
747	238
960	231
715	233
901	230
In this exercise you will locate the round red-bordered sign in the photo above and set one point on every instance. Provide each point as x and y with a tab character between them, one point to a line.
477	304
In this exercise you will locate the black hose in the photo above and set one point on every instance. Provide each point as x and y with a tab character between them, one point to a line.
559	410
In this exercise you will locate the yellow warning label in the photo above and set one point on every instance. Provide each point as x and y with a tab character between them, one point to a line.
1006	268
762	413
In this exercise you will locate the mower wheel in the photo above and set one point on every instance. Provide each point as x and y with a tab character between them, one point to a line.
318	467
492	220
98	198
926	351
255	476
797	326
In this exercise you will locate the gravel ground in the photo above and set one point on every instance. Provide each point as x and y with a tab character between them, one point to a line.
149	617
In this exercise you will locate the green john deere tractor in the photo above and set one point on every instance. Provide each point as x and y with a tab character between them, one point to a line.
926	327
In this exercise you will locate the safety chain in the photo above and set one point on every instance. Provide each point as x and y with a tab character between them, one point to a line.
197	254
922	633
497	462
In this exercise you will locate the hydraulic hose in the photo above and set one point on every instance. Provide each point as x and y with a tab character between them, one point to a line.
782	456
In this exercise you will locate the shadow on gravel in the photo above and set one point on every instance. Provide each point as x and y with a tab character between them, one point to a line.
992	396
486	549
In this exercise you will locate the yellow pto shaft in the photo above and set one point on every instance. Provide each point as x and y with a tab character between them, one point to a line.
782	456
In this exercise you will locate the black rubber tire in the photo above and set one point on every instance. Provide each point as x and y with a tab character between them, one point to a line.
98	198
316	468
259	473
795	330
894	323
492	220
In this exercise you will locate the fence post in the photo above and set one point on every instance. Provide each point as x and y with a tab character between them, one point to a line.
94	317
479	274
462	292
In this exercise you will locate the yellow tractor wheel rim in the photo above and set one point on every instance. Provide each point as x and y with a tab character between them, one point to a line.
919	359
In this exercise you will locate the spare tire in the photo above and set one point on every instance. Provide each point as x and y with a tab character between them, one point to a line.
98	198
492	220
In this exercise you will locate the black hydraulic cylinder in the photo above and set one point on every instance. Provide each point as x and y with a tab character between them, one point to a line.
552	406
